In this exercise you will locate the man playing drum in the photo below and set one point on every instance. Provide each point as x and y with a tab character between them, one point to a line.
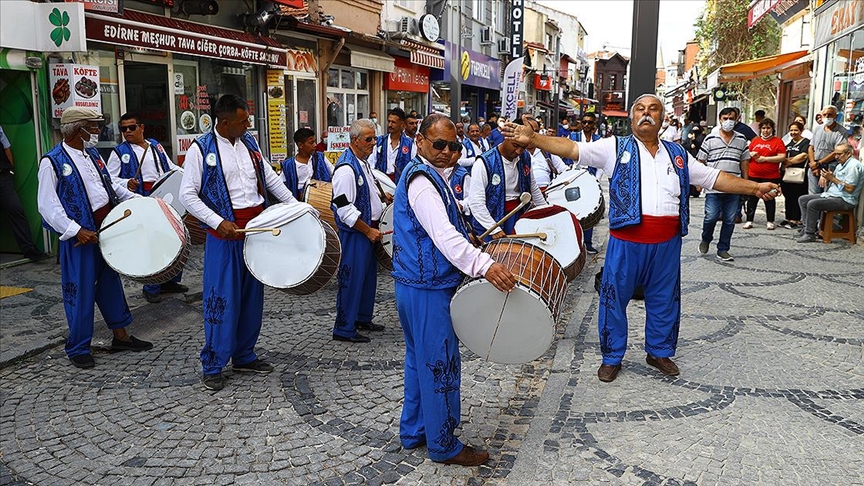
645	232
588	134
75	194
308	164
357	205
138	163
394	150
225	184
497	183
432	250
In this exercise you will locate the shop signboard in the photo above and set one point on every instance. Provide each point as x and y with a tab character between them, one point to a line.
301	60
837	20
475	69
104	6
338	138
43	27
407	77
511	88
74	85
276	119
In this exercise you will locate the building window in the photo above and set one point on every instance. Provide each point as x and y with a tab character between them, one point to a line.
600	81
347	96
480	10
612	80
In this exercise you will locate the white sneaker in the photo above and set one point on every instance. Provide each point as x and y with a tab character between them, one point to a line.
770	226
748	225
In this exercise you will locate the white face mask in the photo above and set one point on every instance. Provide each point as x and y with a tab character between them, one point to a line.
665	125
827	120
92	141
500	124
727	125
374	120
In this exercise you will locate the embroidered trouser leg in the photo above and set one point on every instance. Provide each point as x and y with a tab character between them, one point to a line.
431	409
233	304
357	278
157	288
88	280
657	267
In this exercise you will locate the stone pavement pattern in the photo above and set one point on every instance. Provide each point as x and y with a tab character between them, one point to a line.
771	389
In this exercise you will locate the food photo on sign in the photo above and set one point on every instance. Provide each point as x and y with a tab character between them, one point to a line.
74	85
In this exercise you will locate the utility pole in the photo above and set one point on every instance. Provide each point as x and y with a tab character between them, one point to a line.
643	60
455	64
556	71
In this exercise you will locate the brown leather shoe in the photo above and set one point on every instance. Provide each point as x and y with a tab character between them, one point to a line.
665	365
468	457
608	373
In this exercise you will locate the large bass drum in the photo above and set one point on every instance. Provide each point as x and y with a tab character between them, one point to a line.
318	194
514	327
563	236
579	192
384	249
301	259
149	246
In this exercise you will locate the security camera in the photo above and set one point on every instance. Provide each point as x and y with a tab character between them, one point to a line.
200	7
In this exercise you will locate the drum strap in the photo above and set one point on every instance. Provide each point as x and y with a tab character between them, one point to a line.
100	214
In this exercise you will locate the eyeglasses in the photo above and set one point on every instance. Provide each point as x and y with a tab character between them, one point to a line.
128	128
367	139
587	122
440	144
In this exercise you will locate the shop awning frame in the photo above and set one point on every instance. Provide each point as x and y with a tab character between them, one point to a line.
763	66
364	58
615	113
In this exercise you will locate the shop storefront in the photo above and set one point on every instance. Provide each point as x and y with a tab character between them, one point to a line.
171	72
480	77
408	86
838	76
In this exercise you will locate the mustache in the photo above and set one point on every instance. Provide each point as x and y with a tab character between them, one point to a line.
648	119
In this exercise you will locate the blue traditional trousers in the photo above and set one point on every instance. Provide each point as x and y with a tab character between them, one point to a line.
233	304
157	288
88	280
655	266
433	371
358	277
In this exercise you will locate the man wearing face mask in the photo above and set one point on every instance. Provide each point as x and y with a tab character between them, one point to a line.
374	117
495	137
826	136
435	250
75	194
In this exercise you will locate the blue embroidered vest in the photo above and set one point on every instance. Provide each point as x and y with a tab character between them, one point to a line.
363	190
417	262
129	162
495	137
320	172
469	148
403	155
457	181
70	187
625	188
496	194
214	189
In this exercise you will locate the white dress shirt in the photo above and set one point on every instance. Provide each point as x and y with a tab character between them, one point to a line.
477	191
49	203
305	171
240	177
431	213
590	139
464	159
484	144
151	166
344	183
660	185
670	134
391	154
540	168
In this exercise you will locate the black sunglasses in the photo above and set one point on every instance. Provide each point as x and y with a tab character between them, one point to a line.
589	122
128	128
367	139
440	144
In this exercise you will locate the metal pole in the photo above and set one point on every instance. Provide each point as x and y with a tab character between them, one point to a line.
643	62
455	66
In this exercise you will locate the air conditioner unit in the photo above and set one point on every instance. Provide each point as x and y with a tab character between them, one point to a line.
408	25
504	45
486	36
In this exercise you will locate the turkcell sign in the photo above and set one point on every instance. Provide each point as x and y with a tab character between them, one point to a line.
510	88
517	13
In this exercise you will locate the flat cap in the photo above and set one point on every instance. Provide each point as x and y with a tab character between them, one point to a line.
76	113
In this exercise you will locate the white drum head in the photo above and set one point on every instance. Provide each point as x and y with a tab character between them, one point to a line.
561	242
510	328
168	189
386	184
581	196
289	259
143	244
385	225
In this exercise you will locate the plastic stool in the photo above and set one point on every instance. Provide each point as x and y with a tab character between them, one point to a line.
847	228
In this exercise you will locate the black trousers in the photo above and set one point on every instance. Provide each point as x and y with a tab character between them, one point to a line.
11	205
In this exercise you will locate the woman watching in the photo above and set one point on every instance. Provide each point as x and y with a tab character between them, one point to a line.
796	157
767	152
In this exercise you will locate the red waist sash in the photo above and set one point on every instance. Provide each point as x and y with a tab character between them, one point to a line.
241	219
653	229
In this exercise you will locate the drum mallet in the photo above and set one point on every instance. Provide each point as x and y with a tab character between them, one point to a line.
542	236
524	199
273	231
562	184
126	214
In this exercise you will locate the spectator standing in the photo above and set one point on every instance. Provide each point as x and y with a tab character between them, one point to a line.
758	116
767	152
821	151
11	204
804	132
796	157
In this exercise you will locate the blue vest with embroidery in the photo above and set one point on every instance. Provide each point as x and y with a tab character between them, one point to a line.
495	138
625	187
130	168
457	181
214	189
469	148
403	154
320	172
417	262
362	190
71	191
496	194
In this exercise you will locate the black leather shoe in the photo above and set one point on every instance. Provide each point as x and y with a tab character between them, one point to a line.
357	338
607	373
83	361
36	256
369	326
133	344
173	288
256	366
151	297
213	382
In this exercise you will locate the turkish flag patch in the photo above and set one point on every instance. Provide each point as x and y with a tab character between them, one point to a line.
405	149
526	170
457	189
679	162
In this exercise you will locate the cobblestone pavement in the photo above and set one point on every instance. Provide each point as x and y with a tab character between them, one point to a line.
771	389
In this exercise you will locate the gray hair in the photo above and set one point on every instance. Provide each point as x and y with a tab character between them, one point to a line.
431	120
358	125
831	108
69	129
844	147
649	95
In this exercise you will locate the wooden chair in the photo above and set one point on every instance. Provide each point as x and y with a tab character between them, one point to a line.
847	227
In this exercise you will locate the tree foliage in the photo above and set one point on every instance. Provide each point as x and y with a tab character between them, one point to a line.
724	38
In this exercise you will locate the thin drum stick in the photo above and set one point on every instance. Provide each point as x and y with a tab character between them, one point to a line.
126	214
524	199
563	184
542	236
274	231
